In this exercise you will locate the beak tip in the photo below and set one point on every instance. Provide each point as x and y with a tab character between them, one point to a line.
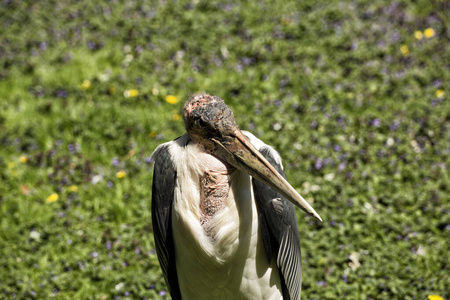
316	215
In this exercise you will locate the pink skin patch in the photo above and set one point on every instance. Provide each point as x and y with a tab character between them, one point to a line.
215	186
199	100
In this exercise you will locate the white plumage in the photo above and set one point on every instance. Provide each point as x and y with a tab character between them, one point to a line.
231	253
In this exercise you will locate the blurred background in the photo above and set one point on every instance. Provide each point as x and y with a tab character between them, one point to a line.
353	94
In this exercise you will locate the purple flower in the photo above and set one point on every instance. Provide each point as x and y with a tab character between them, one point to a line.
115	161
162	293
395	36
376	122
437	83
43	46
336	148
319	164
394	126
108	245
73	148
93	45
148	160
246	61
321	283
284	82
94	254
62	93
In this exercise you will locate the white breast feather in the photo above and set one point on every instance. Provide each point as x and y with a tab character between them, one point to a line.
187	204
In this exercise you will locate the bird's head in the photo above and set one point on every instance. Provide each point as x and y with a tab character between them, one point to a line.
207	118
210	122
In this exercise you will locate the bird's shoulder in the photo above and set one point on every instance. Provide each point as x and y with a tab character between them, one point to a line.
164	180
166	151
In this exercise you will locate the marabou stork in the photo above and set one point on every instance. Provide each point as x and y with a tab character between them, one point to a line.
223	224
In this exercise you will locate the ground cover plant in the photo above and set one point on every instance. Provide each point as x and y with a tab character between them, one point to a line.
353	94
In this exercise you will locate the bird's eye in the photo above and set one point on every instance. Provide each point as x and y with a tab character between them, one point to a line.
201	123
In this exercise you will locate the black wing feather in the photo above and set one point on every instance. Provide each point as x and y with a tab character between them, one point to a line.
279	230
164	180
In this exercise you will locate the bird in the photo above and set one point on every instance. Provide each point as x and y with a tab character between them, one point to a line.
223	214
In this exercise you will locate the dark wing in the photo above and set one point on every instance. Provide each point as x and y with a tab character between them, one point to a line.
164	180
279	230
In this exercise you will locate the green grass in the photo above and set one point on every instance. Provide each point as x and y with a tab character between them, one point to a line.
364	131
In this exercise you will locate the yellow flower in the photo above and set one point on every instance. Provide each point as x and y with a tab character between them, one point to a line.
121	174
176	117
440	93
171	99
86	84
130	154
52	198
285	20
418	35
131	93
23	159
435	297
429	33
72	188
152	134
405	50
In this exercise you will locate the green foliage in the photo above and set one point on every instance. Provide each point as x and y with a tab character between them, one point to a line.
355	101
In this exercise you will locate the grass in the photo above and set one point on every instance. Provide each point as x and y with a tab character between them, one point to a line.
356	104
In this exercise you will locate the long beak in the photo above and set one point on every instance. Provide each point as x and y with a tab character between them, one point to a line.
240	153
